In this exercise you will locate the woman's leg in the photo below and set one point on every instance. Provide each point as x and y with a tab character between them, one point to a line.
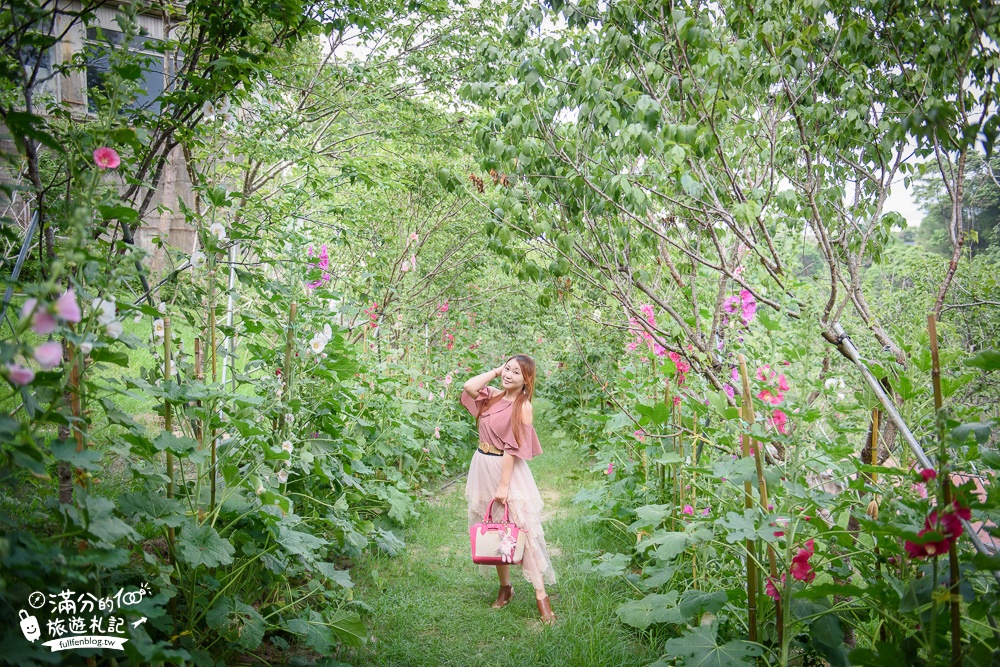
504	572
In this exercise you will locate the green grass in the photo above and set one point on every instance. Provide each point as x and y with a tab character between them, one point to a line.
432	607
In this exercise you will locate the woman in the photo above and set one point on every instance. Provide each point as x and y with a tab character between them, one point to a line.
499	471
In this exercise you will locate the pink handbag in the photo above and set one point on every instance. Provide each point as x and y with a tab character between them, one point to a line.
496	543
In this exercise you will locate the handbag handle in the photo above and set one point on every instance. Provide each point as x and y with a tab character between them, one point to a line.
489	513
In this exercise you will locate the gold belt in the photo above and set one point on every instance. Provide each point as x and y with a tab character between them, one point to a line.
487	448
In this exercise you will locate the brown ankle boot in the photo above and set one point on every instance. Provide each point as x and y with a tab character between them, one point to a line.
504	596
545	610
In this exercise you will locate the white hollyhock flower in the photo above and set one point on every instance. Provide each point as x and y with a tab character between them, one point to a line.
318	343
282	476
290	418
86	347
158	329
218	230
597	315
137	318
162	307
197	259
327	331
430	396
114	329
106	308
288	446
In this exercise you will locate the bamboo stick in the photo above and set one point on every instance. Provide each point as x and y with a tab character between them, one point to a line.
748	415
945	477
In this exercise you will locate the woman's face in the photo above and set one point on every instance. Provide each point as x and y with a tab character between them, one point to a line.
511	376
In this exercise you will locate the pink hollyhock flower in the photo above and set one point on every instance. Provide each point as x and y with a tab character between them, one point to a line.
771	590
48	355
677	400
706	511
405	266
447	379
919	489
646	309
444	307
734	374
730	392
611	469
748	307
780	421
413	236
731	304
67	308
42	323
437	432
782	383
106	158
19	375
659	350
641	435
631	346
760	374
688	510
928	474
674	357
801	569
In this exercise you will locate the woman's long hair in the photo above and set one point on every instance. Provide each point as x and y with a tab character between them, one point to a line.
527	391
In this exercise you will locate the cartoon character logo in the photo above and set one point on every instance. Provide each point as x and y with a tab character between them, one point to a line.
29	626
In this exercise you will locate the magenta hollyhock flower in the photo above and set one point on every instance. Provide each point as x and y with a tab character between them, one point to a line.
928	474
677	400
734	374
730	392
764	373
107	158
748	306
780	421
611	468
706	511
646	309
948	524
67	308
688	510
659	350
801	569
19	375
731	304
48	355
771	590
782	383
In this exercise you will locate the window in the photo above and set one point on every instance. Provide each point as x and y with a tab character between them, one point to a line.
151	81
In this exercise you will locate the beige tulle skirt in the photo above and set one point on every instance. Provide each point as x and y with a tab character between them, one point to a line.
525	509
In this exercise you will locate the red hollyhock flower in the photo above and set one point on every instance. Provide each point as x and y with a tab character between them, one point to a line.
928	474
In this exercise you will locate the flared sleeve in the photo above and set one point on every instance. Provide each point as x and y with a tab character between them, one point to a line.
529	447
475	404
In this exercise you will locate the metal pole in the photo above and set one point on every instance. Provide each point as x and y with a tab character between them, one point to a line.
847	348
21	257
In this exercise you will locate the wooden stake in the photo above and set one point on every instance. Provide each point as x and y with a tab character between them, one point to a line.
748	416
945	477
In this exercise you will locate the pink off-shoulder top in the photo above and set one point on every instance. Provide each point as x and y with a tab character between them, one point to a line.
495	427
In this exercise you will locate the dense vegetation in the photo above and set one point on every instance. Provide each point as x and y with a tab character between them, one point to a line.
785	397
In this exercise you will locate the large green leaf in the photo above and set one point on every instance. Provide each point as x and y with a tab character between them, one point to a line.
699	647
237	622
654	608
988	360
202	545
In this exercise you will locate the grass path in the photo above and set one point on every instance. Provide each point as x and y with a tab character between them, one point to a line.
432	607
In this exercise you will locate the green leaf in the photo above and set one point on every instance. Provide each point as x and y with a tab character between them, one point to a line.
65	450
348	627
700	648
654	608
668	544
650	515
178	445
152	506
299	543
738	527
987	360
237	622
202	545
341	577
110	356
